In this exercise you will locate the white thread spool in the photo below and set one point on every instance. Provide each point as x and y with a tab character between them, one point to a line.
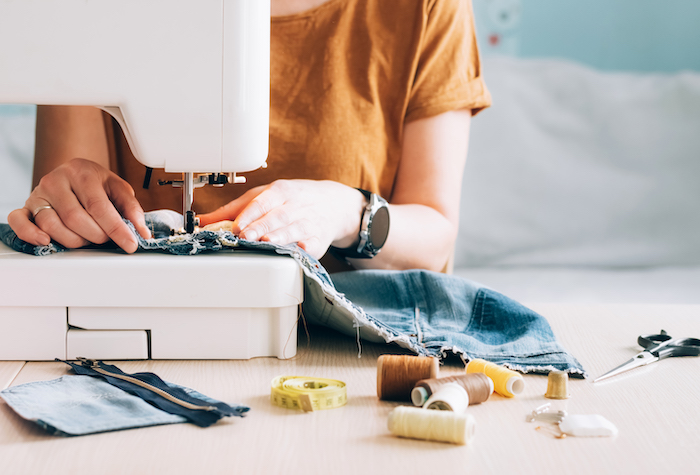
450	397
441	426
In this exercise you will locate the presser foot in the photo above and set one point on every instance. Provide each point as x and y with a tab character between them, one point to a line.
191	222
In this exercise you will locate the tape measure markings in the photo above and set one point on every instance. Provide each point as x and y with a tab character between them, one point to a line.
308	394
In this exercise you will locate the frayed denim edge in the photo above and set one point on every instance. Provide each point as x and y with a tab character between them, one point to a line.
523	368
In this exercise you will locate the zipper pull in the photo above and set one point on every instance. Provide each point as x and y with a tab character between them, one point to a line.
87	362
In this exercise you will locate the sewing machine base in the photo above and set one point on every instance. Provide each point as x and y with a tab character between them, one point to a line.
108	305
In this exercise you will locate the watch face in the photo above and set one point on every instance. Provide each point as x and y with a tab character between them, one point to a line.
380	228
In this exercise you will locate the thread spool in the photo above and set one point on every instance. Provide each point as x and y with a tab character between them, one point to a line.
506	382
450	397
557	385
478	386
398	374
441	426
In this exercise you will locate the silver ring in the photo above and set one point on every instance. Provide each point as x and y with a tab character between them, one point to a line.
39	209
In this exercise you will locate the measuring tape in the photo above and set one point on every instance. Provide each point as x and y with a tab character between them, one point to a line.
308	394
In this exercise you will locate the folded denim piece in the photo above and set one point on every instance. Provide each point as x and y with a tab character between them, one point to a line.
81	405
426	312
149	387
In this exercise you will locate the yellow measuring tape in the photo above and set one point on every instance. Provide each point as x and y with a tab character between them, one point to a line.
308	394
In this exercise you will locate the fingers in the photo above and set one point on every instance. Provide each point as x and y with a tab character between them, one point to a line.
230	211
20	221
263	213
281	226
82	196
313	246
51	223
122	195
67	222
101	210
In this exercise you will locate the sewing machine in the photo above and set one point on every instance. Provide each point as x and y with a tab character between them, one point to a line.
188	81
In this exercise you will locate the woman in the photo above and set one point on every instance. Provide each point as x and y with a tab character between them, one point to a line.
365	94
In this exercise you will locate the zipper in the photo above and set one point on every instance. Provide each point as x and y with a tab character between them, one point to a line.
94	365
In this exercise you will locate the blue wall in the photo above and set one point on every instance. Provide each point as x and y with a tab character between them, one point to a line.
630	35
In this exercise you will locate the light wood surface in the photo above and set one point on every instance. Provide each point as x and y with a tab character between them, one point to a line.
8	372
654	408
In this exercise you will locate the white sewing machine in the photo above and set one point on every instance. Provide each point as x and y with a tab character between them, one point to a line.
188	81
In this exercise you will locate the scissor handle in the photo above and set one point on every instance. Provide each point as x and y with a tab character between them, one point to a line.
663	346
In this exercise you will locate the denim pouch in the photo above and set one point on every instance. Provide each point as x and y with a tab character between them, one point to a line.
429	313
81	405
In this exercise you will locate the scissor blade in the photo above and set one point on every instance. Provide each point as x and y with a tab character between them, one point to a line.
643	358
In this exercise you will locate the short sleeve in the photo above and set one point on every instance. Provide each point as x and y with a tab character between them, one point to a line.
448	74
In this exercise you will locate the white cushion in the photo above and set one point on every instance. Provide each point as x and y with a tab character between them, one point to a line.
576	167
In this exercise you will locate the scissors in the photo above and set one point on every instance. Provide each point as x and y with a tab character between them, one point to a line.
656	347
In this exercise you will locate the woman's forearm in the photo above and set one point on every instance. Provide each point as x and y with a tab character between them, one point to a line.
67	132
420	238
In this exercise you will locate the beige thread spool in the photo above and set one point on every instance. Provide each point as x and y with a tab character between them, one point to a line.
441	426
557	385
478	386
450	397
398	374
506	382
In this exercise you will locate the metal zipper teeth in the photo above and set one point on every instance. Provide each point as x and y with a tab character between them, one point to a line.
158	391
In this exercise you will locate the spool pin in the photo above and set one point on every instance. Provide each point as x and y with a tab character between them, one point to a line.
398	374
506	382
441	426
478	386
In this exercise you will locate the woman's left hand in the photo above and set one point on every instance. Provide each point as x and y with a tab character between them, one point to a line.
314	214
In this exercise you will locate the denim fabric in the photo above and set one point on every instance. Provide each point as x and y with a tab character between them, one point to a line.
80	405
426	312
196	416
9	238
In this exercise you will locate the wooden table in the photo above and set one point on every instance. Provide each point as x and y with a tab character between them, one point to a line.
655	409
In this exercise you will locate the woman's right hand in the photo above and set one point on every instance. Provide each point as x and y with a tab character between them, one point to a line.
78	203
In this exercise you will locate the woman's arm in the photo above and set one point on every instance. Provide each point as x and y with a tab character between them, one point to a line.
67	132
71	175
424	207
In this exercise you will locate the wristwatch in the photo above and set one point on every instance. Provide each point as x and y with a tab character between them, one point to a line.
374	229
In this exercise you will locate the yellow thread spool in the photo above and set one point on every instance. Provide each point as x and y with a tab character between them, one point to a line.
441	426
506	382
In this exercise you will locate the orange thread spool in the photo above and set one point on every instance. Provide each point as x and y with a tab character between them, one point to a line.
478	386
398	374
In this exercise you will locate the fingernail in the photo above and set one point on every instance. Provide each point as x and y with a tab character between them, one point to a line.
133	248
44	239
250	235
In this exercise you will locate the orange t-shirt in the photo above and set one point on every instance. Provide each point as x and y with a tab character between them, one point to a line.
345	78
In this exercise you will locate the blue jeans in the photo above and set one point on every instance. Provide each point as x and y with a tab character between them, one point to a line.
426	312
